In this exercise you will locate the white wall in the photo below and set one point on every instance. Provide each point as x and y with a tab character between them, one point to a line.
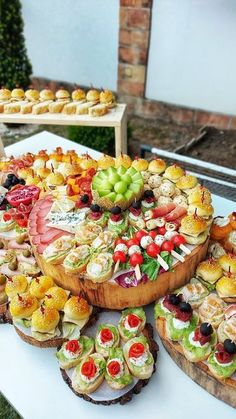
192	59
73	40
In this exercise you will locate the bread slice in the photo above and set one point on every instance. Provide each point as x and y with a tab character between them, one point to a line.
27	107
14	107
114	384
98	110
144	372
83	108
90	388
70	108
57	107
41	107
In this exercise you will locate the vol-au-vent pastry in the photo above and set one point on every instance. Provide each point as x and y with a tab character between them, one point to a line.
227	329
212	310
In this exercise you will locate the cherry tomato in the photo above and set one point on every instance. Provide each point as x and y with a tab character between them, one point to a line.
119	256
136	259
132	242
161	230
119	241
153	250
153	234
136	350
168	246
178	240
140	234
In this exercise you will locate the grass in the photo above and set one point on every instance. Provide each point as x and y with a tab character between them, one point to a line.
6	410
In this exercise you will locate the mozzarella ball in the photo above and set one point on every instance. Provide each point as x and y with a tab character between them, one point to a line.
159	239
134	249
156	192
181	201
169	234
121	247
145	241
163	200
167	189
146	175
154	181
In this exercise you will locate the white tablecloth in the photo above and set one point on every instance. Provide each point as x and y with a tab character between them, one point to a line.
31	380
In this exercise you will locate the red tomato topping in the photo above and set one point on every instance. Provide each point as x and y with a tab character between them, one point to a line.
73	346
161	230
153	250
133	320
140	234
167	246
89	368
106	335
136	350
136	259
132	242
119	256
113	368
116	217
7	217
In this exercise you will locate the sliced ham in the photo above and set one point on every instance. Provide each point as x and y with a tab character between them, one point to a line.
43	213
14	245
52	235
36	240
42	228
33	231
163	210
41	247
175	213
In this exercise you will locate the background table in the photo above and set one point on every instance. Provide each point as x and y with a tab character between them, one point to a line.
31	380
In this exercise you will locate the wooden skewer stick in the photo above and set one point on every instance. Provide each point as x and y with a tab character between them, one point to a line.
177	256
137	272
163	263
185	249
116	266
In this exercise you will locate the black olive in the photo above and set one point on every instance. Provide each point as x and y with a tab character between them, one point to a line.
84	198
230	346
7	184
116	210
15	181
185	307
95	208
136	205
174	299
148	194
206	329
21	181
10	175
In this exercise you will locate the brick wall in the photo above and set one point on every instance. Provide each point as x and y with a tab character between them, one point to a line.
134	40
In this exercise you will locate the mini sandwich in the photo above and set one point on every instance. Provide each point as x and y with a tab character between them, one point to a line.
27	107
93	95
58	106
62	94
228	263
89	374
100	267
197	345
32	95
222	361
78	95
194	293
202	210
194	229
17	94
5	94
186	183
199	194
157	166
15	285
40	285
227	329
83	108
76	314
226	288
56	252
181	322
139	358
131	323
107	337
209	271
173	173
46	94
107	98
22	306
212	310
87	233
41	107
77	259
98	110
73	351
44	325
55	297
14	107
117	373
168	305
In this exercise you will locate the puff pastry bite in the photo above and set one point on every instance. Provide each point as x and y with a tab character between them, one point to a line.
46	94
41	107
57	107
32	95
70	108
14	107
27	107
98	110
78	95
212	310
83	108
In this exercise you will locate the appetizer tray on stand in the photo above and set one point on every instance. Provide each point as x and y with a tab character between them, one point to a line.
224	390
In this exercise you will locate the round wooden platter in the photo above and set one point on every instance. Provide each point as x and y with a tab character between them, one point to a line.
112	296
136	389
224	390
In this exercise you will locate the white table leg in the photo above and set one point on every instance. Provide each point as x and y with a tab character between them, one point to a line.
2	150
121	136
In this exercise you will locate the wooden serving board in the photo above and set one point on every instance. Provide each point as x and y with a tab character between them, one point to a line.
224	390
112	296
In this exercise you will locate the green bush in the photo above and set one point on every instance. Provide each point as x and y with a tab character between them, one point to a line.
15	67
98	138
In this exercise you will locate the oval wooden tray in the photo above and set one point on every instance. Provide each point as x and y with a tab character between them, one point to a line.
224	390
112	296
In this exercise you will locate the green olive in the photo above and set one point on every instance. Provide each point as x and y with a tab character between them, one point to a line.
26	253
3	279
20	240
13	266
3	298
1	245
